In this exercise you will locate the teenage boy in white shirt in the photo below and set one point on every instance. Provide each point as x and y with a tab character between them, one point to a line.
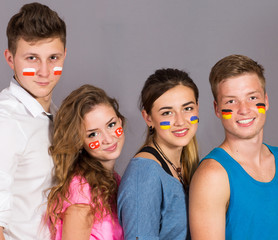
36	53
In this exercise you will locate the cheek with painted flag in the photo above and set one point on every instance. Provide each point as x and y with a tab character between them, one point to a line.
165	125
119	131
194	119
261	107
29	72
57	70
226	113
94	145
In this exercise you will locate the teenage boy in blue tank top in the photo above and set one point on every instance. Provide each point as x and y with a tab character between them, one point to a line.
234	192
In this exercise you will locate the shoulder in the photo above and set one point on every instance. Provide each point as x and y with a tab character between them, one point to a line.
141	166
141	173
273	149
210	176
8	105
210	168
79	190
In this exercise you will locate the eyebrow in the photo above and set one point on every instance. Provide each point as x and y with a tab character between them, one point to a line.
91	130
183	105
250	93
36	54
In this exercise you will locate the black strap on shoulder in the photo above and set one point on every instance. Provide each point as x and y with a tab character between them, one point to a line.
154	152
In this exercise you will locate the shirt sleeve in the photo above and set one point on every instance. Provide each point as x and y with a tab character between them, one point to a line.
79	193
139	201
12	143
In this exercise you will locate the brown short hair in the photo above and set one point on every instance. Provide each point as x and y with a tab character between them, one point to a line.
232	66
34	22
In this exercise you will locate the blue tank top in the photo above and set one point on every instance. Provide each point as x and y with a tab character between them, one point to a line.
253	206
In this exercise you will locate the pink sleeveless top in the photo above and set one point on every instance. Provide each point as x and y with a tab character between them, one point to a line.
79	193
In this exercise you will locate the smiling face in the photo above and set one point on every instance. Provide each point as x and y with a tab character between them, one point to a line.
244	97
174	117
37	66
104	137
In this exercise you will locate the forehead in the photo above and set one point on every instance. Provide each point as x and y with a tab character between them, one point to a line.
47	45
175	96
240	85
99	115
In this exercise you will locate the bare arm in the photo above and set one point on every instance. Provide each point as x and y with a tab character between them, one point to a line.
208	197
1	233
77	223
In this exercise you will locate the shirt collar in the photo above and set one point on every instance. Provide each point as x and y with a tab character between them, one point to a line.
30	103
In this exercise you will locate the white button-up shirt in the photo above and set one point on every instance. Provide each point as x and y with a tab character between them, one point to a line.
25	164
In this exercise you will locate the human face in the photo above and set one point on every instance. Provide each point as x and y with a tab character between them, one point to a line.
38	59
241	95
172	116
104	137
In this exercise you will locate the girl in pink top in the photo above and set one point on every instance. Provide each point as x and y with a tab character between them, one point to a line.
88	138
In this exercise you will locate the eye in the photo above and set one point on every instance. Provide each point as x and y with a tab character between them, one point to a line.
166	113
54	57
188	109
93	134
230	101
253	98
112	124
32	58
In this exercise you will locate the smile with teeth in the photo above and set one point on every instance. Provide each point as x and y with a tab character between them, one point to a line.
181	131
245	121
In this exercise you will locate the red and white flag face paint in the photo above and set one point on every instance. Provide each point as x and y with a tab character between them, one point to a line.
119	131
94	145
57	70
29	71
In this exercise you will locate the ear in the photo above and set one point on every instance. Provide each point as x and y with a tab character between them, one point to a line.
65	52
266	101
9	58
216	109
147	118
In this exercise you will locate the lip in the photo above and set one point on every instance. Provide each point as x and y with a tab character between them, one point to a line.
111	148
245	122
42	83
181	132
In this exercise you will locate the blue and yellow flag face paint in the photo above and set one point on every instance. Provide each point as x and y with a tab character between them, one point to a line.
226	113
261	107
194	119
165	125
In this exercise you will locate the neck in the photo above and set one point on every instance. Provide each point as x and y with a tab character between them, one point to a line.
45	102
109	165
172	153
248	149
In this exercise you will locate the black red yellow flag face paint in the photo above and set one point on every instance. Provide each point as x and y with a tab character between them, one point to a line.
261	107
226	113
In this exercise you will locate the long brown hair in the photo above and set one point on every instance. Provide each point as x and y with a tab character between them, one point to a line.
71	159
156	85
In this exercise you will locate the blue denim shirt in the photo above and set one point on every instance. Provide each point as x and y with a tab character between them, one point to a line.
151	203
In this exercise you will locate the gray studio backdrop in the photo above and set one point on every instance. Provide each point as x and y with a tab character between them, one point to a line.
117	44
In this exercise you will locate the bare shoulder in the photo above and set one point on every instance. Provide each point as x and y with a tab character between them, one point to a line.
211	178
210	168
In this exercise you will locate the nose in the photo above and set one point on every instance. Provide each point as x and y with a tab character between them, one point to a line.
243	108
107	137
179	119
43	69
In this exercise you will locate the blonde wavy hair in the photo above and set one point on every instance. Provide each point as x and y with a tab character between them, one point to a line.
71	159
156	85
